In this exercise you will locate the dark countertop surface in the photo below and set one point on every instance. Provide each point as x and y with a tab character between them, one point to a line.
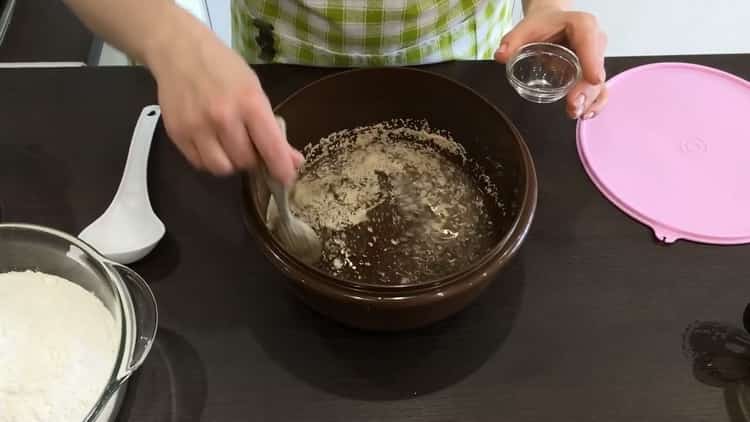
585	325
45	31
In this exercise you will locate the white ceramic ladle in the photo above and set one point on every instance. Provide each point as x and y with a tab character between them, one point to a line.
128	230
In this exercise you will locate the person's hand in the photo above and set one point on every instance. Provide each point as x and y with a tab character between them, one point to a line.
582	34
214	107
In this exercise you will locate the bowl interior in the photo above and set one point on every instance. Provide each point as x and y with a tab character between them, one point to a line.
365	97
24	249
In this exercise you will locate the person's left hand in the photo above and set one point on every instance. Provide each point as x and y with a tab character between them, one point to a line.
579	31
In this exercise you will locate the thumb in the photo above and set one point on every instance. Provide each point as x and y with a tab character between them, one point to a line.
513	40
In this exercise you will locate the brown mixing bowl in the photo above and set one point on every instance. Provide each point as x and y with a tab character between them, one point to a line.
369	96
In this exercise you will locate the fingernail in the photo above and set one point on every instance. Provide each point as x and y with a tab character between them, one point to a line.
579	105
603	75
589	115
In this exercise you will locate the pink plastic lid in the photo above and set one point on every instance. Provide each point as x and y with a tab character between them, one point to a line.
672	150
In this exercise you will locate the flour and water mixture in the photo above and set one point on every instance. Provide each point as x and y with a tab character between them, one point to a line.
58	345
394	203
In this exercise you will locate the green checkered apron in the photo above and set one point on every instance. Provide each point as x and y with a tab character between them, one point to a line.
368	32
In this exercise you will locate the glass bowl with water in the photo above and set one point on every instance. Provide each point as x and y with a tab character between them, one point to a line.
543	72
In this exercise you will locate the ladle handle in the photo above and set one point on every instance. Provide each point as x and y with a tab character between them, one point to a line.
134	177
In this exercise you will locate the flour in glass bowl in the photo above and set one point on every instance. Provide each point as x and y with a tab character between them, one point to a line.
58	345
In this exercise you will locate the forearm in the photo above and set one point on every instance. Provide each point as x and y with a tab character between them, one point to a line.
138	27
531	5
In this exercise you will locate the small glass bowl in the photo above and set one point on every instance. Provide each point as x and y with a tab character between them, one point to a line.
543	72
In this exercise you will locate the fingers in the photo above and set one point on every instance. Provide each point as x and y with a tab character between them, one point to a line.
217	114
586	100
589	43
183	143
191	153
234	138
268	139
297	158
204	152
237	145
598	105
213	156
580	98
528	30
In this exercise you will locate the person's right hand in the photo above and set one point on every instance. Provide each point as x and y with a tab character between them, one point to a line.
214	107
549	21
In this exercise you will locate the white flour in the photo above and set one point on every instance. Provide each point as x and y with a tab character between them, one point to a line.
58	345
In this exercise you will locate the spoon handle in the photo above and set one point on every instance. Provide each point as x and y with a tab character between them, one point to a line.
280	196
279	192
134	177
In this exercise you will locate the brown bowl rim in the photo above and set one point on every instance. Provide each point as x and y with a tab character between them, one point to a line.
502	251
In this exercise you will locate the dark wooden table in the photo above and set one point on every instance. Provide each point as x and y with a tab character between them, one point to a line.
44	30
585	325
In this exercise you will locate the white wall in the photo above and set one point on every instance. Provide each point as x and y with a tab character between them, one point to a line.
653	27
219	10
635	27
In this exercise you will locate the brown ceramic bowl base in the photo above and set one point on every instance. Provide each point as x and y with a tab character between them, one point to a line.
369	96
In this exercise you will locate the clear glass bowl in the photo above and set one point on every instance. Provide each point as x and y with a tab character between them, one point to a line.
543	72
121	290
